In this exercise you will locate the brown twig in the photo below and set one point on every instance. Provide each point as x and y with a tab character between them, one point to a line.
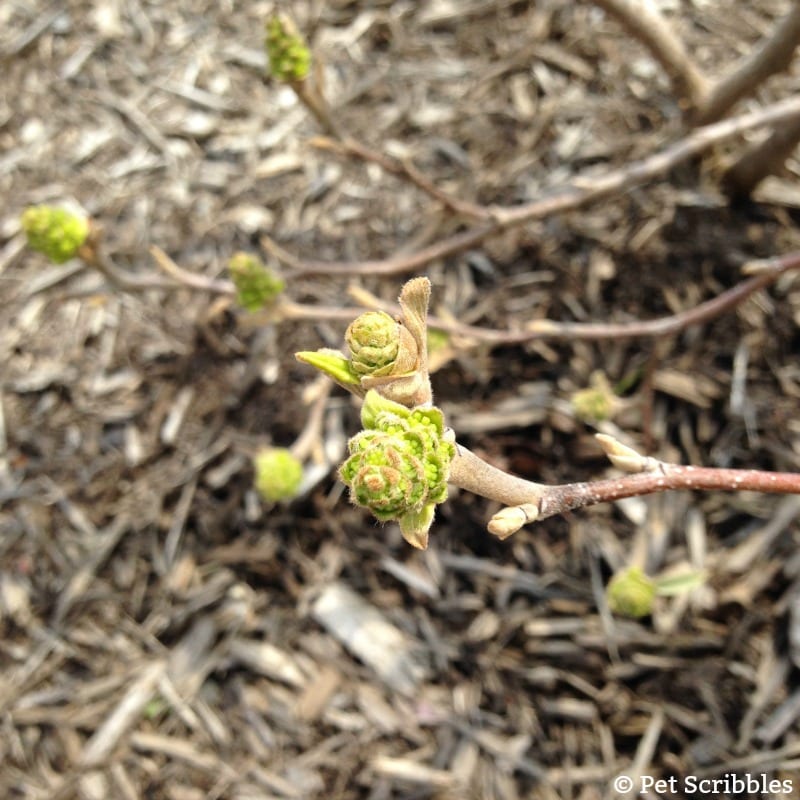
763	159
578	193
402	169
93	255
339	141
774	55
312	432
285	309
768	270
317	105
191	280
527	501
645	23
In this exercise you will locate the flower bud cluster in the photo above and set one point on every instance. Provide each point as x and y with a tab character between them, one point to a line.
374	342
289	56
399	464
256	286
55	232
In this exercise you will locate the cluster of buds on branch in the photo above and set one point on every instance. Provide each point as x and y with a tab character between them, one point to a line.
401	463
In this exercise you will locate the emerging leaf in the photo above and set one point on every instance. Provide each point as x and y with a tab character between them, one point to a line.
335	365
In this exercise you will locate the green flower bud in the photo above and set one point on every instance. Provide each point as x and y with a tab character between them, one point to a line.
289	56
631	593
55	232
597	402
398	466
380	346
374	342
277	474
256	286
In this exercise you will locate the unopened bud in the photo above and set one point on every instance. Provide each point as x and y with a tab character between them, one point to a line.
623	457
277	474
288	54
256	286
55	232
509	520
597	402
631	593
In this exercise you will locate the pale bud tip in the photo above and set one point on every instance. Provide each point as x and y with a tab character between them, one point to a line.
510	519
622	456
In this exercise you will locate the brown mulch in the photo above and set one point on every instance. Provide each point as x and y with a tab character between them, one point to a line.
163	634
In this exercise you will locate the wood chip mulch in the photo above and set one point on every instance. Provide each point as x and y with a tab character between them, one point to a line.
163	634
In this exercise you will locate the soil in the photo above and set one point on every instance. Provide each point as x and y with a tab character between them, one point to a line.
166	634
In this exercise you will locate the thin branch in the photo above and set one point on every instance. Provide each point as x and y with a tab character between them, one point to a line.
670	477
92	254
763	159
312	432
191	280
339	141
768	271
317	105
578	193
645	23
402	169
285	309
773	55
527	501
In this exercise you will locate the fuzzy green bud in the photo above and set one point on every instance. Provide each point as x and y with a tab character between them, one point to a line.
374	342
277	474
288	54
55	232
631	593
256	286
597	402
380	346
398	465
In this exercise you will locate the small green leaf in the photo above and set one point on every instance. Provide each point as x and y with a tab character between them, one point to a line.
256	285
597	402
680	584
437	340
375	404
415	526
333	363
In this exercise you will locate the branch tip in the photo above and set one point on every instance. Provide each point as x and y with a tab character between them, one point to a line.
623	457
510	519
